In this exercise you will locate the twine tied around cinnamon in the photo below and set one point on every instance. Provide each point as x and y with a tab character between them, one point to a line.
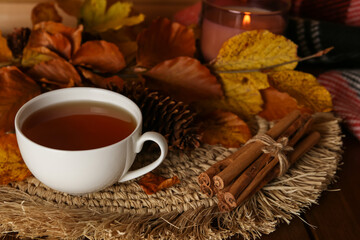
276	149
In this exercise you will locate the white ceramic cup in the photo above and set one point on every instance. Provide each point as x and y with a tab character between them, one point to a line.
85	171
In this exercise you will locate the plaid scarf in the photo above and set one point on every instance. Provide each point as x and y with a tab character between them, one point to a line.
339	11
344	86
312	36
324	23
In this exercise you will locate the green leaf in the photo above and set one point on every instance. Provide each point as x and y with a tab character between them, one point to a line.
96	19
91	11
33	56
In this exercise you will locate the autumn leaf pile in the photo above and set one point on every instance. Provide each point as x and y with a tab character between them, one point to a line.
253	74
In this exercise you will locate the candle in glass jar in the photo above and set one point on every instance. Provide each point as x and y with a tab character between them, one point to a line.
214	34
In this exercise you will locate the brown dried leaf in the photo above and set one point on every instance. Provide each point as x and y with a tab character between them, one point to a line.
164	40
185	79
225	128
152	183
15	89
102	56
45	11
73	34
278	104
12	167
113	83
56	71
124	39
56	42
71	7
128	49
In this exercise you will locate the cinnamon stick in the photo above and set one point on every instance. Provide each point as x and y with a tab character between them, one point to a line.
223	206
224	177
222	203
244	179
207	190
304	146
301	131
206	177
268	173
300	123
256	181
220	193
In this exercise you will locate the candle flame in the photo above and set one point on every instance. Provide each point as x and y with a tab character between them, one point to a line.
246	20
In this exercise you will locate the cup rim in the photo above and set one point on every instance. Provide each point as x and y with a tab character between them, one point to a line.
75	89
238	12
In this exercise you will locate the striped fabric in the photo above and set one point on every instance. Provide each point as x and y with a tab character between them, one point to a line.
326	23
312	36
353	14
344	86
338	11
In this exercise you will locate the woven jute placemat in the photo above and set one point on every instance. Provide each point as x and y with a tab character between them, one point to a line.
124	211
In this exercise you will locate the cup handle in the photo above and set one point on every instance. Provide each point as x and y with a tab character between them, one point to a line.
148	136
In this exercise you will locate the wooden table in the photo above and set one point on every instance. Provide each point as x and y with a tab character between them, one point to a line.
336	217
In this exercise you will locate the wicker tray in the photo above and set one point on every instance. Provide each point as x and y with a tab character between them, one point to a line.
124	211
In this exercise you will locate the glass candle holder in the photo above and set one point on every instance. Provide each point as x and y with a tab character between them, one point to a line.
222	19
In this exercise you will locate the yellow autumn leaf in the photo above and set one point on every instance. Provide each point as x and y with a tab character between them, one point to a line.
304	87
242	95
6	56
97	18
225	128
256	49
12	167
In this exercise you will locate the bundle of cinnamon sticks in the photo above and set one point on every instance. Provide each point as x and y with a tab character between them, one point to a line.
239	176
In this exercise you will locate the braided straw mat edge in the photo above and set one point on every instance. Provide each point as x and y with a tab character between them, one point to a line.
124	211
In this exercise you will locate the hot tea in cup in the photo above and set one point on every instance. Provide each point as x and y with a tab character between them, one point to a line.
79	125
81	140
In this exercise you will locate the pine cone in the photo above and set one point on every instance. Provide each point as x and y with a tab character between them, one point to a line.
174	120
17	41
